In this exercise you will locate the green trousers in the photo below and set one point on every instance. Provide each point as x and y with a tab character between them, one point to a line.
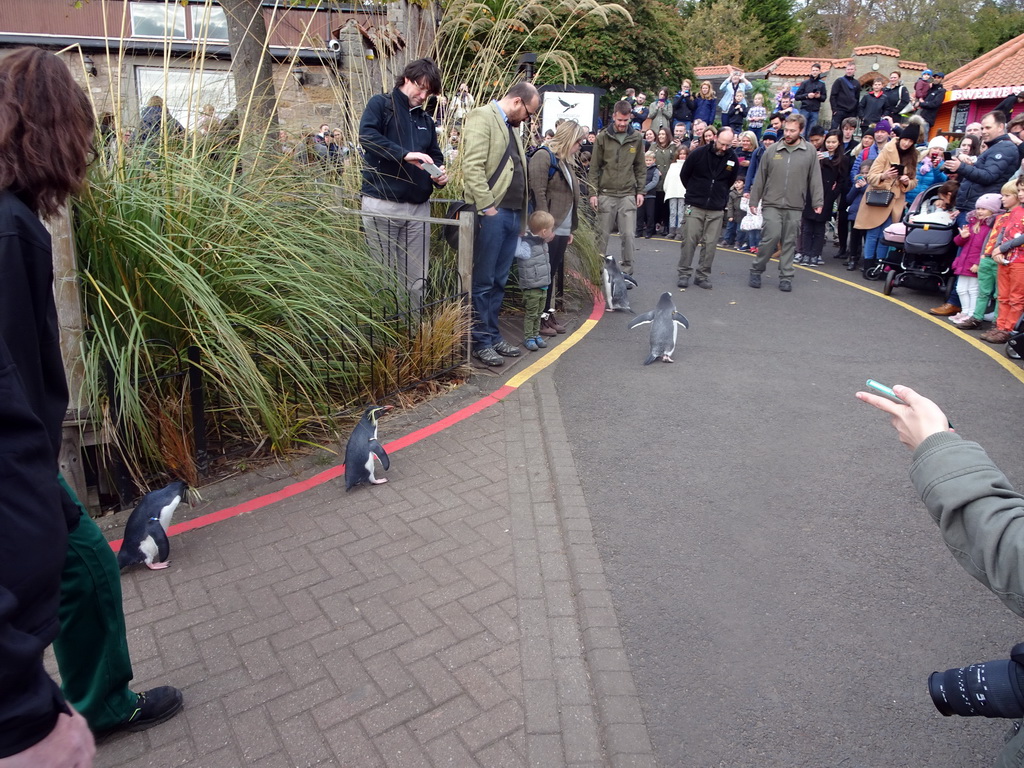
534	300
987	271
92	646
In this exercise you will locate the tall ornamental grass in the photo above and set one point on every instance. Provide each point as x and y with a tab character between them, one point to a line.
290	316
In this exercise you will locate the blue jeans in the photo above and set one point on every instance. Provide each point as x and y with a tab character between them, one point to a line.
731	229
493	251
873	248
812	120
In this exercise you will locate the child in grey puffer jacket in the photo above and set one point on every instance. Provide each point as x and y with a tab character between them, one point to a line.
535	274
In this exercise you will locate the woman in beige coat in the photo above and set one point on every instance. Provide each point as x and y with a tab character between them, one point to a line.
894	170
555	187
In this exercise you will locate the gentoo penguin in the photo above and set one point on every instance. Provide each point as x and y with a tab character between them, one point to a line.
145	533
363	446
615	286
664	322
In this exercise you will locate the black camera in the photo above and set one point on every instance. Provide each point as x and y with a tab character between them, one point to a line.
989	689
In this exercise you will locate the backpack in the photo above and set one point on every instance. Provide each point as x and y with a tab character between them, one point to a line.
552	170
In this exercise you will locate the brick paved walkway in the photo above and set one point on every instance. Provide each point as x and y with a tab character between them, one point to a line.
456	616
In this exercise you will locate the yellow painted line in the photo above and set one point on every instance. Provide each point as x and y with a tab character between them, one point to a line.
552	355
983	347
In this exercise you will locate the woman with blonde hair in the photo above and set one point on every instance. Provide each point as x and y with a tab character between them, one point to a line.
555	188
705	103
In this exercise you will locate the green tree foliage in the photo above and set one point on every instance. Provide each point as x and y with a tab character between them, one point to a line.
721	32
781	29
649	52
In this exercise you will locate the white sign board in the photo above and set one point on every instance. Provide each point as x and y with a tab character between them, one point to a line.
568	106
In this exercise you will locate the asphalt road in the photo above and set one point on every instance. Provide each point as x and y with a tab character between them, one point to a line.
782	592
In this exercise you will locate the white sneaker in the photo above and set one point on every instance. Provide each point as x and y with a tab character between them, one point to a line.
960	316
798	259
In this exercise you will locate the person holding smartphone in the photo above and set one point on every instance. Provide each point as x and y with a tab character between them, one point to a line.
403	164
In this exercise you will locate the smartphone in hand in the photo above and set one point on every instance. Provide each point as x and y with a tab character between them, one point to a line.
432	169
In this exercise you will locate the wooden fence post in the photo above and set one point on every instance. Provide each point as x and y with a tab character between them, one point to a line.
69	318
467	234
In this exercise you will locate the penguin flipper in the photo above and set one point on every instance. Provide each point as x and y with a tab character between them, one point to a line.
378	450
650	359
630	279
646	317
681	320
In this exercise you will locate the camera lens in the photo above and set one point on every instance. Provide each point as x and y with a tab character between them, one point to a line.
990	689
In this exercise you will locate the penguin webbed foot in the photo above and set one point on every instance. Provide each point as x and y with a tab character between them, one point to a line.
667	359
378	481
158	566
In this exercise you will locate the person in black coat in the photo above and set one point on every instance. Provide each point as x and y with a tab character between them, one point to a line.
399	141
844	97
928	107
835	176
873	105
38	100
811	94
683	105
708	174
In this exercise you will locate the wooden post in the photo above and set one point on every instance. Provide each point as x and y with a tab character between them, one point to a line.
69	318
467	234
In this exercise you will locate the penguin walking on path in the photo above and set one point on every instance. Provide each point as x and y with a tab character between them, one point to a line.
615	286
665	322
145	533
363	447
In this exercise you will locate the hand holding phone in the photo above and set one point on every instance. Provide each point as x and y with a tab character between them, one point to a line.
432	169
885	390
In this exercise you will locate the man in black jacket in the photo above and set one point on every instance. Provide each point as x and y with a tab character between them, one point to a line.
811	95
708	174
990	171
845	96
402	166
928	107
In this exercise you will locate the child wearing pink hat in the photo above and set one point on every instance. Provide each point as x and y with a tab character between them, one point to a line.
971	239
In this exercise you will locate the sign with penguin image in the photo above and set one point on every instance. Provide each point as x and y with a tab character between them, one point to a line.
558	105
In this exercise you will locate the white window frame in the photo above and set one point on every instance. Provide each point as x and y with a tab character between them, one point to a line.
186	91
199	16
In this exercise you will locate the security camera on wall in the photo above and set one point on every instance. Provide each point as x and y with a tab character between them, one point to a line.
334	45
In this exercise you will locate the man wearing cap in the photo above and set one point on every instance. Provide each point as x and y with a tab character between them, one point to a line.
844	96
928	107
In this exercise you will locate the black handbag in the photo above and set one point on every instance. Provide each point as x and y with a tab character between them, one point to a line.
879	198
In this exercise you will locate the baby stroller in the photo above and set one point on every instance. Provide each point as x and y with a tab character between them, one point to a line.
924	258
1015	344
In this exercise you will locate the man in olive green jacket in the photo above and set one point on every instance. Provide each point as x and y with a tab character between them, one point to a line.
491	143
617	177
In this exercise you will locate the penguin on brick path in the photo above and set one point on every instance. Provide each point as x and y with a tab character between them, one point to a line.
665	322
145	533
615	286
363	447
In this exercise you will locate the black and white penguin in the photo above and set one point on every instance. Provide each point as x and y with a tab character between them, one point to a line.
145	533
363	446
665	322
615	286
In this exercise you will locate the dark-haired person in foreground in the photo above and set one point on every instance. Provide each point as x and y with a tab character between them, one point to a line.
979	514
398	137
54	561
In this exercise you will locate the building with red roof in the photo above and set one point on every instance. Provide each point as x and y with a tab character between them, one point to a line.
978	86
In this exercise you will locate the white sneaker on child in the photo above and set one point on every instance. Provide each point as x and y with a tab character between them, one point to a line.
958	317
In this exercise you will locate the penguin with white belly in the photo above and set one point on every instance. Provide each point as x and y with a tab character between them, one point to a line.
615	286
145	533
363	447
665	322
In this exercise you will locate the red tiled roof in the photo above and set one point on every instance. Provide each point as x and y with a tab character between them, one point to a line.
1000	67
717	71
867	50
919	66
841	63
796	66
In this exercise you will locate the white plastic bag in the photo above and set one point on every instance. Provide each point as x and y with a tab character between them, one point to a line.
752	221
